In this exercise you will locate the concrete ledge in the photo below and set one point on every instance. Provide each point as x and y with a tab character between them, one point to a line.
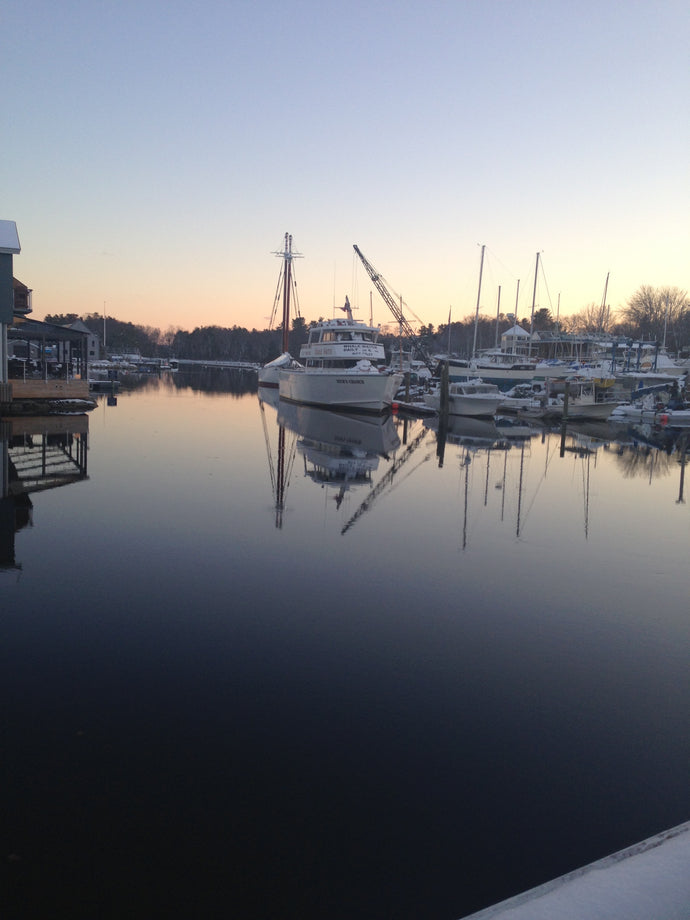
648	881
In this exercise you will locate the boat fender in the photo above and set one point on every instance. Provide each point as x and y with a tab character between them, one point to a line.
663	419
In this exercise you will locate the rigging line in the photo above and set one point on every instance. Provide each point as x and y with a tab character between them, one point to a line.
505	268
294	291
291	461
539	485
268	449
276	299
408	310
546	283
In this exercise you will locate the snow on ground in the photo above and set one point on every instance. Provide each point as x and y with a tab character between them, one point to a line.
648	881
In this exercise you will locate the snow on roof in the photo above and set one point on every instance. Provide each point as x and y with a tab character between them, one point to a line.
9	238
517	332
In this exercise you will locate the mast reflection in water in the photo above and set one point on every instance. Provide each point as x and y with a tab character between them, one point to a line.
410	689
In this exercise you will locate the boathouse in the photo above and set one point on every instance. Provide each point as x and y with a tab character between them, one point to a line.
41	364
46	361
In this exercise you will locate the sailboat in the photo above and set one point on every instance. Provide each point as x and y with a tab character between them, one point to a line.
269	374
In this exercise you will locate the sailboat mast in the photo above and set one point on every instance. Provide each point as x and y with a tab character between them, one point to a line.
515	323
602	311
476	313
287	284
498	315
534	298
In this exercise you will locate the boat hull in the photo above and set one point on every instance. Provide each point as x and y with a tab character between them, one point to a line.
343	389
466	405
594	411
506	377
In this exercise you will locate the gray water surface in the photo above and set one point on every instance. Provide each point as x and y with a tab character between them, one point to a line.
261	661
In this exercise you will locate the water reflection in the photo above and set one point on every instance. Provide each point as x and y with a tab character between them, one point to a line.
36	454
650	452
339	451
256	725
634	450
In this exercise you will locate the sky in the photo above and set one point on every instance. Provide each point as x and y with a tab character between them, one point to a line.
154	154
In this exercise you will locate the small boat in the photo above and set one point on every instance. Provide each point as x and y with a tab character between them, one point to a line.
523	396
343	368
582	403
470	398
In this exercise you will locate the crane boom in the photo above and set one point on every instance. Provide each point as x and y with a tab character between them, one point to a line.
394	307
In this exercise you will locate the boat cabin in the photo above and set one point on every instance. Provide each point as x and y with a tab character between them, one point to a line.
341	344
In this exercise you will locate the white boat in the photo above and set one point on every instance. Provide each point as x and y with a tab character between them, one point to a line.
659	415
269	374
343	368
675	418
637	412
583	403
523	396
470	398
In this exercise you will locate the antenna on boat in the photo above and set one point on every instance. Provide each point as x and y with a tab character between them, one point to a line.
347	309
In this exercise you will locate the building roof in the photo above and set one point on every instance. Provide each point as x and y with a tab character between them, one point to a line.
9	238
33	329
517	332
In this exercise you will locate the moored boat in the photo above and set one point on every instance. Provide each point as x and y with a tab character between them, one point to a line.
343	368
580	402
469	398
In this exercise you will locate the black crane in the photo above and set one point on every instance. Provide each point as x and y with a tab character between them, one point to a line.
396	309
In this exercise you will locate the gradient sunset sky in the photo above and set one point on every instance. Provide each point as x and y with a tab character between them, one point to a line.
155	153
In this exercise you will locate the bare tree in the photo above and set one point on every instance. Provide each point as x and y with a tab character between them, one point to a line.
661	314
593	318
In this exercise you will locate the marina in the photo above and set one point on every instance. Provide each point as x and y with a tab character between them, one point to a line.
401	670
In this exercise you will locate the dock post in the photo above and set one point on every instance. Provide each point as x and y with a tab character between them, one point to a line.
564	420
442	414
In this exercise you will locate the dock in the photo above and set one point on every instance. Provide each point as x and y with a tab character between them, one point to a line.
647	881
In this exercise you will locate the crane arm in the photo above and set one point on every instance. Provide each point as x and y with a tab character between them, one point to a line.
394	307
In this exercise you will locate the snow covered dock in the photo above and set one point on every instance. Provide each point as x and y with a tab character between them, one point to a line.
648	881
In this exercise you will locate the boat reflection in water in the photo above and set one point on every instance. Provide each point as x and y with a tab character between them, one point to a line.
650	451
339	450
478	433
36	454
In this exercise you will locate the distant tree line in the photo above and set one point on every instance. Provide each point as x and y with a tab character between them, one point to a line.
651	314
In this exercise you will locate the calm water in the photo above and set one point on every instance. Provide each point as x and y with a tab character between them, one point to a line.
248	673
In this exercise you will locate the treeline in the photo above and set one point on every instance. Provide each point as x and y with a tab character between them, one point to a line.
652	314
206	343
